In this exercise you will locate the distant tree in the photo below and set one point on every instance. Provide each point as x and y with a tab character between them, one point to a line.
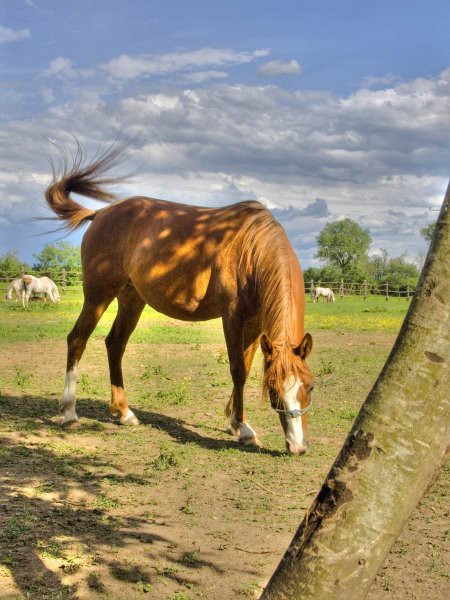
428	231
311	273
343	244
377	265
397	272
11	266
330	274
357	272
401	272
55	257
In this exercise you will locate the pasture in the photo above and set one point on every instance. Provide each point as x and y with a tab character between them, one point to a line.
176	509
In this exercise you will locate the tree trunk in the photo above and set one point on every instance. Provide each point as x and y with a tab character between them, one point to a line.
392	454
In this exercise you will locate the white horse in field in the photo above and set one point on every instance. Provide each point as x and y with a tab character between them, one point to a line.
18	287
39	285
325	292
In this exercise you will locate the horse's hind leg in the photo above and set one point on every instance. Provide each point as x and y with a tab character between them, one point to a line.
76	343
130	309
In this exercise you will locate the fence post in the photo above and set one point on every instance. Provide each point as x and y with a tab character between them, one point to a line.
63	279
407	293
387	292
312	290
341	289
365	290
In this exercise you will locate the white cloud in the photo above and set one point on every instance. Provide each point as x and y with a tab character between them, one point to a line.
201	76
59	67
276	68
127	67
378	156
382	81
10	35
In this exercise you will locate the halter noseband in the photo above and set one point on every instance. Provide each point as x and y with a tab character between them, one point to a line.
296	412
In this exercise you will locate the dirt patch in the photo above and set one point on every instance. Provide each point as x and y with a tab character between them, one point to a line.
175	509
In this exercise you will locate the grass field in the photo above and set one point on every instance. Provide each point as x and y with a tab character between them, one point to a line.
175	509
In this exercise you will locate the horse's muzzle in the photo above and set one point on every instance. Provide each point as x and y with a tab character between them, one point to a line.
294	448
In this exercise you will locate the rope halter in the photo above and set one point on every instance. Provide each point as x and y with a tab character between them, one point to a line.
294	413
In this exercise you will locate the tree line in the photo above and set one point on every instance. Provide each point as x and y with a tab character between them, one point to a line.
343	247
60	261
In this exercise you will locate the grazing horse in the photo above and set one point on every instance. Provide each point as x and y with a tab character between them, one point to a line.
16	286
326	292
39	285
190	263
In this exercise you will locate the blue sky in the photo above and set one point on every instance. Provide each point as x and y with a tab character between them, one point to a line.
322	110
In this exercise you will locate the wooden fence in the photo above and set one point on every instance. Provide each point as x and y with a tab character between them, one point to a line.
68	282
365	289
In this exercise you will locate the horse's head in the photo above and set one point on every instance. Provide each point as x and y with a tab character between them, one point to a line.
288	382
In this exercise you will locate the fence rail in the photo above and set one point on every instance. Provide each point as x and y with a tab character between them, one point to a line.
365	289
67	282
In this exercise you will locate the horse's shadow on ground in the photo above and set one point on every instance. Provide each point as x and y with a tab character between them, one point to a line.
32	527
32	523
45	410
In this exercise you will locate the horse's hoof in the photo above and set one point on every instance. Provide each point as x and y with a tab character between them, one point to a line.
232	430
129	420
70	424
250	441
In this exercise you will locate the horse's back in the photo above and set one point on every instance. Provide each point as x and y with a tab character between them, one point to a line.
174	254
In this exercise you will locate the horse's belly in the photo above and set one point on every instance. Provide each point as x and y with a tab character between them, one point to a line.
180	297
191	309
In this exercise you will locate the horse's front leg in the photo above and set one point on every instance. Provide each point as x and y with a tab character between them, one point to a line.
25	297
240	353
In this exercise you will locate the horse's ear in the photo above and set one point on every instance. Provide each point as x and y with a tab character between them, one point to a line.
266	345
304	348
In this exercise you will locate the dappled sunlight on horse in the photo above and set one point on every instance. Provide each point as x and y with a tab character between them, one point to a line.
190	263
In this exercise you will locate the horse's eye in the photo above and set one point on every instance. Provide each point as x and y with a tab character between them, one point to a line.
273	398
310	389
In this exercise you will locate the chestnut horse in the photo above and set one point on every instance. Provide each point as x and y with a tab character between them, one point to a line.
190	263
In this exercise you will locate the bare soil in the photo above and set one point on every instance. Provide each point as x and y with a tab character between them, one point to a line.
175	509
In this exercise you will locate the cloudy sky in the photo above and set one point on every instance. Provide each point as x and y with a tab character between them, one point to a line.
321	109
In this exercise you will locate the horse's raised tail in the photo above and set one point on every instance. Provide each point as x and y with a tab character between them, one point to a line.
80	178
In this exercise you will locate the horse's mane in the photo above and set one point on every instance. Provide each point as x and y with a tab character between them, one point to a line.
263	248
265	252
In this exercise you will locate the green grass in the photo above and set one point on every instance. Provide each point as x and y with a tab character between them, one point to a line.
48	321
154	495
353	313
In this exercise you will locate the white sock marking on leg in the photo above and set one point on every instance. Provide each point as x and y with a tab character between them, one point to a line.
67	403
129	419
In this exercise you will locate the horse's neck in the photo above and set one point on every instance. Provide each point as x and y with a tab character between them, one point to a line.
280	303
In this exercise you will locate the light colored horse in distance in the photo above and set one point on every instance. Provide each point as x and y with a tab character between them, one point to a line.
191	263
325	292
18	287
39	285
